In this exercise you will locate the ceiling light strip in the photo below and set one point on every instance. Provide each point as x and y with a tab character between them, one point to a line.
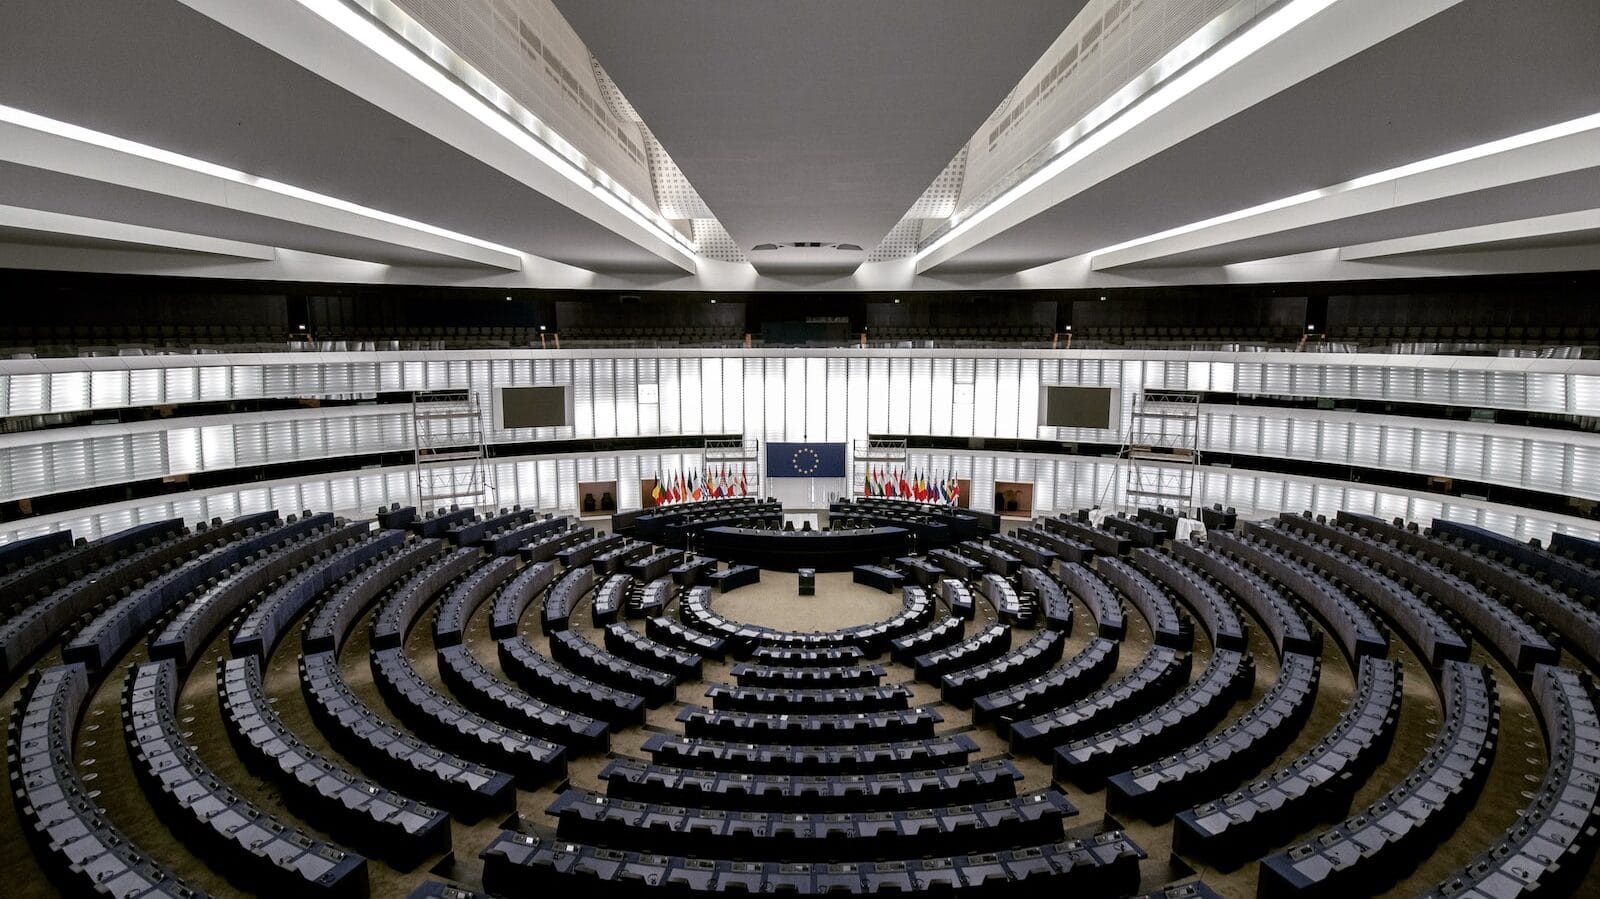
387	30
78	134
1122	113
1486	150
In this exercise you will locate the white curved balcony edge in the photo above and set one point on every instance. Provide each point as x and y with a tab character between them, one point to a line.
1060	484
36	463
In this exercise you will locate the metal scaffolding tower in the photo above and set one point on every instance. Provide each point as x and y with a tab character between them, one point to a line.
1162	451
452	452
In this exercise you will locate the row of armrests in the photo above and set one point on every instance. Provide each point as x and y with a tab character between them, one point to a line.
1357	632
1192	712
778	758
192	626
1205	769
1315	785
395	757
1157	677
770	727
40	621
80	849
517	864
628	778
229	830
590	817
109	634
318	788
263	626
1041	651
1368	850
1060	685
1167	626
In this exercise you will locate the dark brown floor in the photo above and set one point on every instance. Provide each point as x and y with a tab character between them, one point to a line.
104	761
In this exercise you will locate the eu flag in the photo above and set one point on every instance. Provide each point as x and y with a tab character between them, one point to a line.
805	460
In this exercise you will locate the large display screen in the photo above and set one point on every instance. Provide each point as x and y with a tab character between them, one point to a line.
534	407
1079	407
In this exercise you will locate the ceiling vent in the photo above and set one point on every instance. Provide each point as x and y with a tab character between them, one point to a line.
806	245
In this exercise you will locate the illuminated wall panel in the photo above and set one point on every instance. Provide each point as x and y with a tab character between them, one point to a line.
839	394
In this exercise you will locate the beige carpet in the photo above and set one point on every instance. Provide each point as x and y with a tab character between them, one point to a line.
776	602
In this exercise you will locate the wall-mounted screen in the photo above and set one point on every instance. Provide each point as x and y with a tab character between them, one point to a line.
533	407
1078	407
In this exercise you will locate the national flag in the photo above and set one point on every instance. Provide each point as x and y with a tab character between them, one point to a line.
938	490
922	487
889	486
744	486
866	483
955	492
698	491
905	486
655	490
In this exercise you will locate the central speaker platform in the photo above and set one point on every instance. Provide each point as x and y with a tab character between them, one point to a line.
838	603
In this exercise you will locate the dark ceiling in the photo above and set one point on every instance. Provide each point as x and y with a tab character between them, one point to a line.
816	121
1481	70
162	74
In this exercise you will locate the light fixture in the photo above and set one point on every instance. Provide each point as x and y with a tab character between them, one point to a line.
79	134
1433	163
408	45
1079	141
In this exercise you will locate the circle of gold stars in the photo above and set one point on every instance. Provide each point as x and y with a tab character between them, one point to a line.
811	466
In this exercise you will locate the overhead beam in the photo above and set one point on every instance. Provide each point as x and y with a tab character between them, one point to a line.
1562	224
1287	46
1557	150
46	144
58	224
341	44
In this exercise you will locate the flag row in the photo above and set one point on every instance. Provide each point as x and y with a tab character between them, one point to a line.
694	486
896	482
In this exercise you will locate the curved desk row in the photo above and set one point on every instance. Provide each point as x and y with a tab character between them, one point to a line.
791	550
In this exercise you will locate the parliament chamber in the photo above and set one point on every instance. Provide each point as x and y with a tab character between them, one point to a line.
476	449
